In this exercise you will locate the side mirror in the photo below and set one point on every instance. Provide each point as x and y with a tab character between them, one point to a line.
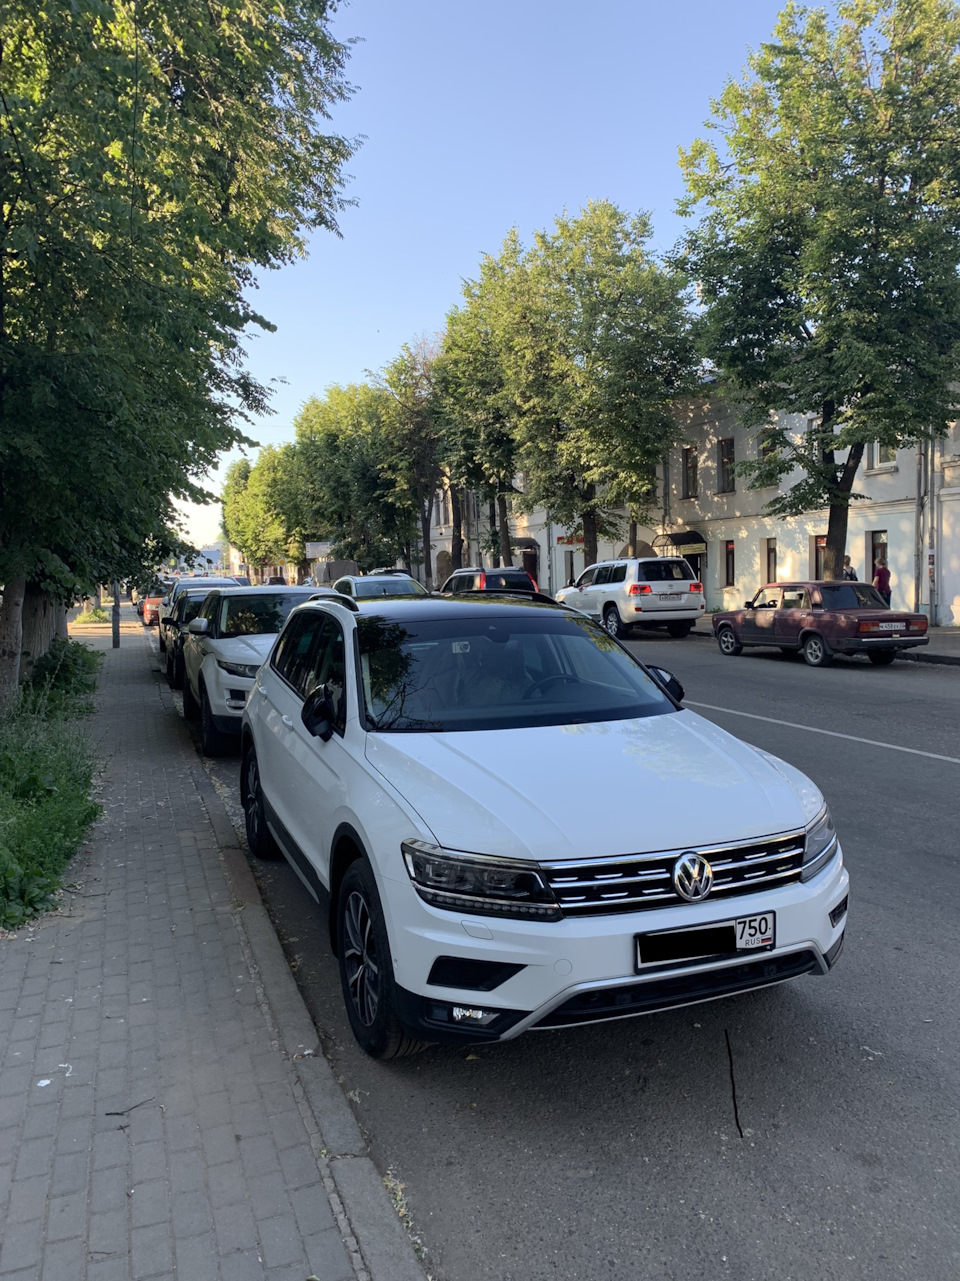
748	604
317	714
199	627
668	681
166	621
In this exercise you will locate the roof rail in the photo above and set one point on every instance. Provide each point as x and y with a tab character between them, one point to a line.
336	598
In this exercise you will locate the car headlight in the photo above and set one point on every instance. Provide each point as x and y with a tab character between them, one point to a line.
249	670
479	883
821	845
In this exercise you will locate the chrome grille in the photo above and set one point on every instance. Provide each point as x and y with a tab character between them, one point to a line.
633	882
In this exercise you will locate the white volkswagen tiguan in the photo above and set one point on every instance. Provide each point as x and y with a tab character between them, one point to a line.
513	824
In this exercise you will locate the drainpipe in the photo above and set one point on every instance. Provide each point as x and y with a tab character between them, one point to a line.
933	566
918	527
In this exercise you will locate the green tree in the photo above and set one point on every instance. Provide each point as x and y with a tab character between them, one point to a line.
829	252
346	491
152	157
597	346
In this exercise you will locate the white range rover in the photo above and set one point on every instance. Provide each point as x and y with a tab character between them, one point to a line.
419	763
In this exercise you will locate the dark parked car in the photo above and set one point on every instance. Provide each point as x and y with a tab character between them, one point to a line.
508	579
819	620
173	627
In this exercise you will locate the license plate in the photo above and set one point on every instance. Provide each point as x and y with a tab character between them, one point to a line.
671	595
890	627
722	938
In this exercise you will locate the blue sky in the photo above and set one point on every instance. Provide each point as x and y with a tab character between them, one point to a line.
479	115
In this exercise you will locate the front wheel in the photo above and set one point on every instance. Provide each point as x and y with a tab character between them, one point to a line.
730	647
612	623
816	652
213	741
882	657
191	708
366	971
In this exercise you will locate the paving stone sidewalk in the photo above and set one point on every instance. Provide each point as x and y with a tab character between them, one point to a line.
164	1108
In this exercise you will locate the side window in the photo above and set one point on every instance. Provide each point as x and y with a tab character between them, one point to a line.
769	598
618	574
291	658
328	667
208	611
603	575
586	578
796	598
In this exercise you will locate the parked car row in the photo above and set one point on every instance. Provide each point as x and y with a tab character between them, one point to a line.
410	756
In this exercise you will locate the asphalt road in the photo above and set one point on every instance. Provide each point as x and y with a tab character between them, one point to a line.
805	1133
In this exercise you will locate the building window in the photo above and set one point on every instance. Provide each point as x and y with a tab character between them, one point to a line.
880	455
725	461
730	563
690	479
771	560
819	551
768	444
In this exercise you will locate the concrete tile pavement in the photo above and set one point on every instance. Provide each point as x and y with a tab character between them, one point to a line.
165	1111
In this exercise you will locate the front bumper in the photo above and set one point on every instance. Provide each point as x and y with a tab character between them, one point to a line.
583	970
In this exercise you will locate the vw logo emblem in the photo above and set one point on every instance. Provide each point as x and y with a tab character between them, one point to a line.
692	876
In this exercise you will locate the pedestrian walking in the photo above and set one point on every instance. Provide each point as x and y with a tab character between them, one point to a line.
881	579
849	573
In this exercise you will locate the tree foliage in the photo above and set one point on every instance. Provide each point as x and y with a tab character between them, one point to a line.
153	156
829	252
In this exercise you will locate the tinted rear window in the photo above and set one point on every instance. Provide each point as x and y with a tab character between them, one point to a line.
389	585
663	571
852	596
506	578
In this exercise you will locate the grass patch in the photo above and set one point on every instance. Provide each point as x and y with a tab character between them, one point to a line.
46	778
95	615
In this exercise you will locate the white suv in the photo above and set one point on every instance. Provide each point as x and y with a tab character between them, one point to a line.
412	759
645	591
222	650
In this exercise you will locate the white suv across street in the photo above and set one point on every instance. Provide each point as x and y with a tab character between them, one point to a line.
414	760
655	591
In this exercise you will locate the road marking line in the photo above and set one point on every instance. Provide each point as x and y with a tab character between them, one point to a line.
813	729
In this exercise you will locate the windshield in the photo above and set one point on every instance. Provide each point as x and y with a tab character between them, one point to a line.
393	585
851	596
499	673
249	615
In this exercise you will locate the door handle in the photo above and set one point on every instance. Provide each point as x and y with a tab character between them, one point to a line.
287	721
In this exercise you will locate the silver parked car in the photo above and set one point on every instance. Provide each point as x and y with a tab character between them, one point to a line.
644	591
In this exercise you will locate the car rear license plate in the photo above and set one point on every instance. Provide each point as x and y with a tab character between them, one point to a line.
670	595
890	627
721	938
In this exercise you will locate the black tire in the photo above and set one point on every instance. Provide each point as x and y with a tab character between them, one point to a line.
160	642
730	647
612	623
882	657
679	630
260	842
177	670
366	971
170	670
816	651
213	741
191	708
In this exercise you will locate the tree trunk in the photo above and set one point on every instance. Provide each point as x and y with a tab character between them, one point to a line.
11	641
494	538
632	538
506	554
836	547
456	532
116	615
589	527
38	625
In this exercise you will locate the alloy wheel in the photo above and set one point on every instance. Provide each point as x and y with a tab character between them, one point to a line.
360	958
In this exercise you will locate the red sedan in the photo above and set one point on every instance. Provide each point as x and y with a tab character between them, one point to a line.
820	620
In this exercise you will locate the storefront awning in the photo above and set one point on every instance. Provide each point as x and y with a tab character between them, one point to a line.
684	542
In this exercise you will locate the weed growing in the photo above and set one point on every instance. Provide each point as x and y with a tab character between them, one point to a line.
95	615
46	777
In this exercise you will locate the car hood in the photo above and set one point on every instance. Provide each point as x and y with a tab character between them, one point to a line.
244	649
607	788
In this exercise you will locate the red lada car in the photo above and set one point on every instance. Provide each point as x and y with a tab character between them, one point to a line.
820	620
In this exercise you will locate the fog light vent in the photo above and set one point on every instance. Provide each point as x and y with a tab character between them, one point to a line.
474	976
839	912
